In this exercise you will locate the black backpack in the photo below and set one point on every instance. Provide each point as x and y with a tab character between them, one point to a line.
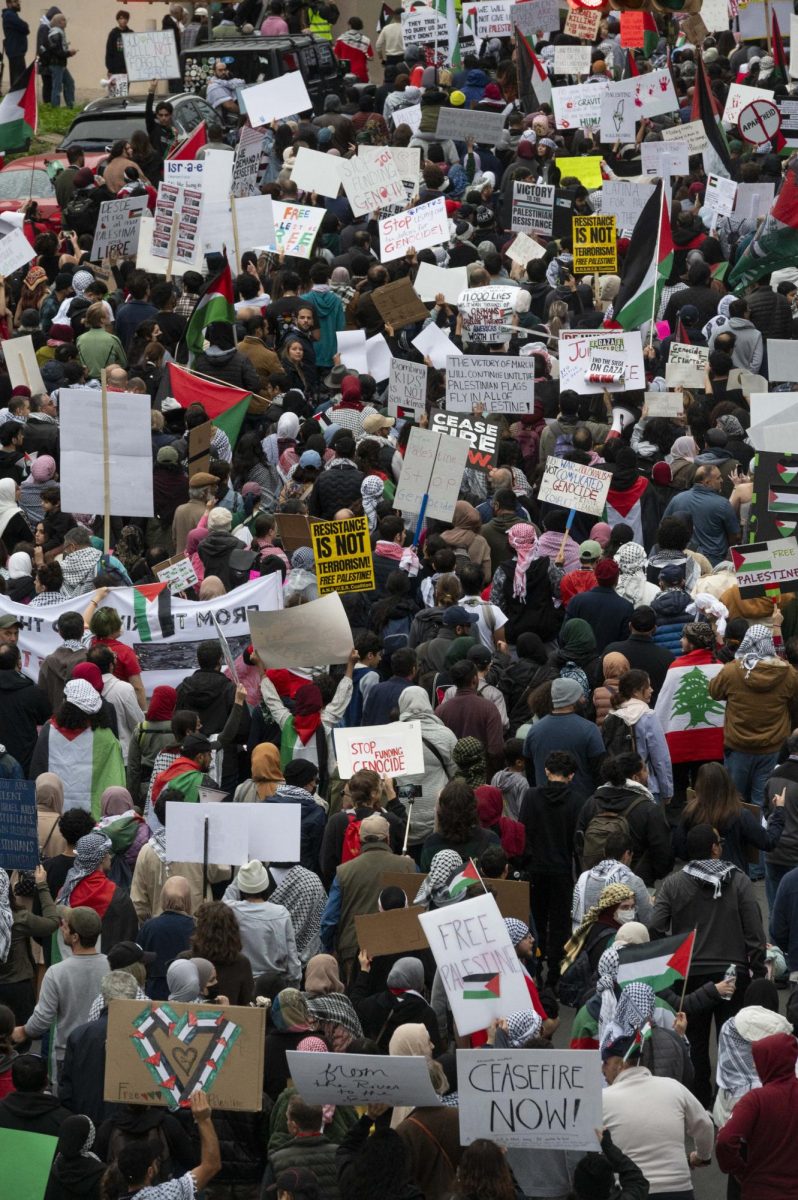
576	983
619	737
80	214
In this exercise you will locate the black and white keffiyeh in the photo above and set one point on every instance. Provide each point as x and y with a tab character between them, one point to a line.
304	897
710	870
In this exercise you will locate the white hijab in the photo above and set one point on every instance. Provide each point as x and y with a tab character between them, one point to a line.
8	503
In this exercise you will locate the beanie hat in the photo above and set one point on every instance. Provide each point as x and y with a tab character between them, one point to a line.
607	572
220	518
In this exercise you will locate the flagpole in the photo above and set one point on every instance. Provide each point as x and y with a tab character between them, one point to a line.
656	268
106	465
687	972
481	880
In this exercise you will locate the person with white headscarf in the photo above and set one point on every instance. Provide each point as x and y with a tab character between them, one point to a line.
13	526
632	583
681	460
188	980
438	742
20	586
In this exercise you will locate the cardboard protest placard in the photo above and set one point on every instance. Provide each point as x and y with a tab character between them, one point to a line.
686	365
388	750
766	406
486	313
623	352
293	530
665	404
536	15
295	228
19	845
361	1079
578	106
419	227
572	485
572	60
533	206
177	572
482	437
524	249
499	383
396	931
424	26
693	133
715	14
581	23
407	387
462	123
477	963
199	445
595	245
15	252
318	632
151	55
398	304
782	360
766	567
369	186
342	550
246	163
531	1099
283	96
664	159
23	369
83	478
160	1052
118	225
448	282
512	895
433	466
694	29
27	1159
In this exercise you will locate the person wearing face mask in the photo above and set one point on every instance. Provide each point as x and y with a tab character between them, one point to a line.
616	905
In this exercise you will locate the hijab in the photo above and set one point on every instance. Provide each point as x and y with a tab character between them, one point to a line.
614	665
90	852
321	976
410	1040
631	559
266	765
187	979
601	533
176	895
523	539
115	801
406	975
8	503
162	704
684	448
76	1171
490	805
19	565
49	793
289	1011
414	705
211	588
577	641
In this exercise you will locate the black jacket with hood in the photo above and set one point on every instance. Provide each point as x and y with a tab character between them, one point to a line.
550	815
214	551
23	708
33	1112
652	856
210	694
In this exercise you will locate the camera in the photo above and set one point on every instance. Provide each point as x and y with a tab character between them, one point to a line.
408	792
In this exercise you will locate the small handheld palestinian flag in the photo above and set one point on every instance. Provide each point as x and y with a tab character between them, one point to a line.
462	881
482	987
660	964
641	1035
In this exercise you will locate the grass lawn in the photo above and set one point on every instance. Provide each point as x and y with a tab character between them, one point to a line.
53	124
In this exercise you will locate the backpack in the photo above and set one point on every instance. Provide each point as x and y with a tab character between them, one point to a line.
564	444
599	828
619	737
80	215
396	634
351	843
576	983
572	671
328	11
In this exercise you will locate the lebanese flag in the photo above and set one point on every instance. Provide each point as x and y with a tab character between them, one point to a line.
19	115
660	964
186	150
225	406
691	719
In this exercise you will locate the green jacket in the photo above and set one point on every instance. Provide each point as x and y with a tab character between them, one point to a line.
97	349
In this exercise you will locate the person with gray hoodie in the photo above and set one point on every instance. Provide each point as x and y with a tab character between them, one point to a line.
740	338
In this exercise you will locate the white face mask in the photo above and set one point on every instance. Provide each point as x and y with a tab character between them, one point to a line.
626	914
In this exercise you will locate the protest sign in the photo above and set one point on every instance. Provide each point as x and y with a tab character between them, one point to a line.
572	485
763	567
572	60
295	228
435	344
664	404
760	122
275	832
493	18
512	895
693	133
177	572
482	436
21	364
686	365
498	383
118	224
395	931
15	252
577	362
739	97
433	467
27	1159
388	750
151	55
652	94
19	844
410	116
766	406
119	480
531	1099
199	448
625	200
715	14
163	631
754	200
720	193
305	636
352	349
424	26
146	260
782	360
774	504
633	29
477	963
486	313
160	1052
316	172
618	118
665	158
342	550
581	23
185	170
694	29
369	186
398	304
419	227
587	169
407	387
228	833
432	281
252	218
178	212
283	96
361	1079
578	106
463	123
406	159
533	206
217	230
524	249
246	163
536	15
595	245
293	530
378	358
773	435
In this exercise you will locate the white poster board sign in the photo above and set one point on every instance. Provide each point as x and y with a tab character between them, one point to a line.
477	963
151	55
578	106
275	831
15	252
531	1099
147	260
664	404
572	60
316	172
82	453
446	281
572	485
118	225
720	193
686	365
419	227
486	312
407	386
23	369
388	750
285	96
533	207
693	133
578	358
433	466
253	219
739	97
652	94
493	18
499	382
295	228
436	345
361	1079
463	123
370	186
782	360
246	163
665	158
228	832
625	200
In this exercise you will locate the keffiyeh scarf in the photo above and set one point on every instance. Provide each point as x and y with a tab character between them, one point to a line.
304	897
444	865
755	646
6	916
523	540
91	850
710	870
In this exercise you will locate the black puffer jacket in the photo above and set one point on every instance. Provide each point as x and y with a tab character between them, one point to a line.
211	695
381	1015
214	551
230	367
337	487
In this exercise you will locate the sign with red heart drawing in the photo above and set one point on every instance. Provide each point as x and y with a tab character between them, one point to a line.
161	1053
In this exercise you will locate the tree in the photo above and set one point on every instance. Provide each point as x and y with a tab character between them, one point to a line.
692	699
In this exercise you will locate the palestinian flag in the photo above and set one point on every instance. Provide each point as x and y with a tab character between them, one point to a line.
88	760
463	879
121	830
681	334
386	13
691	719
152	611
482	987
641	1035
18	112
446	9
781	74
660	964
717	159
534	87
719	271
648	263
186	150
184	776
785	528
215	303
225	406
787	475
775	243
630	70
781	501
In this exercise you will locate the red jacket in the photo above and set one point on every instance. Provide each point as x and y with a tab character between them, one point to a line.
757	1143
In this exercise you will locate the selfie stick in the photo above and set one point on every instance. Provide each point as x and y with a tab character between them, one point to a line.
411	801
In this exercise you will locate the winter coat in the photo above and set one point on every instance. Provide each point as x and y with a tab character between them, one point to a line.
312	821
670	608
650	744
23	708
315	1154
607	613
33	1112
770	313
651	836
785	776
536	613
758	704
382	1014
211	695
784	919
330	312
230	367
494	532
337	487
550	814
729	926
349	1166
81	1079
438	742
742	832
214	552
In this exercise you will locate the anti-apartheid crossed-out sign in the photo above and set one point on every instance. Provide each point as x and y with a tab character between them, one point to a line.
342	550
595	245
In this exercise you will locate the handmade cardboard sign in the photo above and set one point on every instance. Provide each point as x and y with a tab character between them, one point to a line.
150	55
389	750
764	567
342	550
497	383
293	530
395	931
572	485
398	304
433	467
318	632
686	365
118	225
161	1052
361	1079
178	572
512	895
407	387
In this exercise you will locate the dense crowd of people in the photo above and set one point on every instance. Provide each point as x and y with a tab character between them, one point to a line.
606	718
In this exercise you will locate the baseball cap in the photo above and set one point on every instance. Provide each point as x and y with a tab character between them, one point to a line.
565	692
167	454
673	573
124	954
455	614
310	458
589	551
9	621
196	743
374	827
480	655
85	922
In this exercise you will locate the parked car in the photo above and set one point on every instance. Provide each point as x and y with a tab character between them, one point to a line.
255	59
103	121
25	180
